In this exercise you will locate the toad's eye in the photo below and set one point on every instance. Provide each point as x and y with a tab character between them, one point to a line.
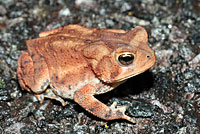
126	59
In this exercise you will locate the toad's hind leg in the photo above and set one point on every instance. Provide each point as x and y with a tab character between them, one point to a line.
33	73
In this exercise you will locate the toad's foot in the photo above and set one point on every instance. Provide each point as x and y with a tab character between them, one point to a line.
50	94
122	109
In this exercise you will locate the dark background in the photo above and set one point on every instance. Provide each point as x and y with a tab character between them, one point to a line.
165	99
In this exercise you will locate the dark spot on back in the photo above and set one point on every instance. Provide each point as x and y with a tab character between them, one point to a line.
25	62
41	56
32	55
36	70
63	82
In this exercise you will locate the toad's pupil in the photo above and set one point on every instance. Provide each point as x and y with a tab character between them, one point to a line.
148	56
126	59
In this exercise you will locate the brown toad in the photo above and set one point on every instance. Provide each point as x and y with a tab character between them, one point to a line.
77	63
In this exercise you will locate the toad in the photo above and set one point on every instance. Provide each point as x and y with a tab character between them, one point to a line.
74	62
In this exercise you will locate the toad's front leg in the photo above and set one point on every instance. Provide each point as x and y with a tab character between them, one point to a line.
85	98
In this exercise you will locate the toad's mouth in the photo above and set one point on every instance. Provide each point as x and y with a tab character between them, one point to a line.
129	76
118	82
122	79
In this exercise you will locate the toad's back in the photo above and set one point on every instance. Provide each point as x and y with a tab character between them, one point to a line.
61	48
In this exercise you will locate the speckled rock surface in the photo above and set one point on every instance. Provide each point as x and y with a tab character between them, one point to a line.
165	99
